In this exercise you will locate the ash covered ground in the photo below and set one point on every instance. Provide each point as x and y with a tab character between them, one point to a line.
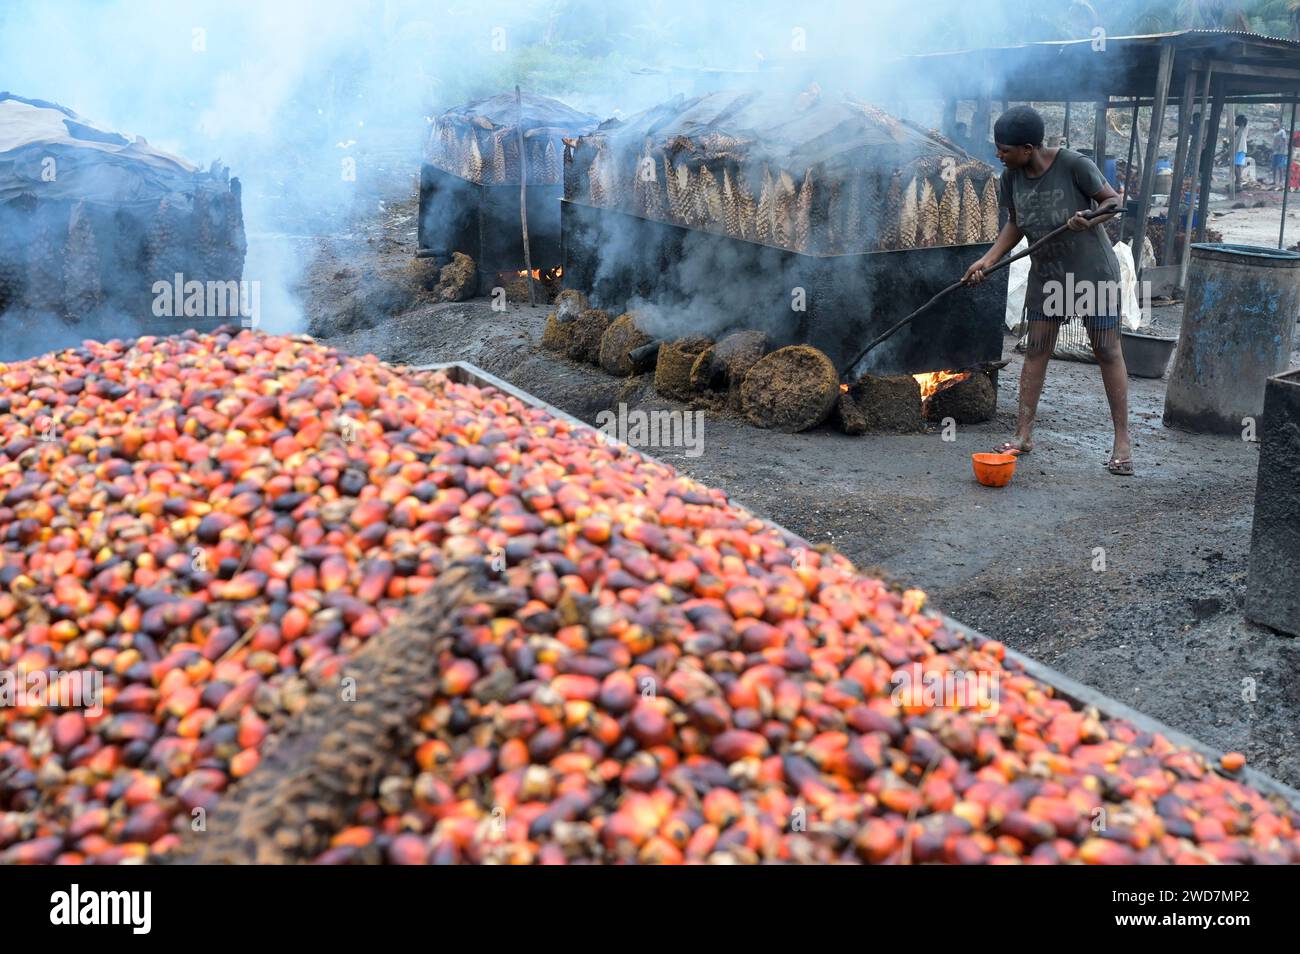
1160	628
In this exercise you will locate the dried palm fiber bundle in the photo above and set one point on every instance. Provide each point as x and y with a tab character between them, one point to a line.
586	333
623	335
571	177
569	304
832	228
496	172
167	238
704	372
746	208
473	159
692	194
803	214
765	215
447	154
81	268
989	207
671	191
908	216
889	232
599	176
733	356
711	194
730	206
210	230
949	213
970	225
674	363
786	197
551	162
791	389
927	232
646	186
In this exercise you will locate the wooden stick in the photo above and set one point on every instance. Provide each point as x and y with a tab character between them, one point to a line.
523	193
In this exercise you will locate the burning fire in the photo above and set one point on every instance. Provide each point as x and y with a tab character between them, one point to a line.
550	275
932	382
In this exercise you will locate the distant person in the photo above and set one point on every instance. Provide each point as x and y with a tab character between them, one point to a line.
1043	188
1239	149
1279	154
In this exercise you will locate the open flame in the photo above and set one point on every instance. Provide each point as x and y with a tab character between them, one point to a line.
550	275
932	382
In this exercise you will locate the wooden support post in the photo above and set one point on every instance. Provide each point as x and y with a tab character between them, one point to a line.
1232	152
523	193
1198	146
1180	157
1099	135
1207	161
1286	178
1067	124
1163	75
1128	170
949	124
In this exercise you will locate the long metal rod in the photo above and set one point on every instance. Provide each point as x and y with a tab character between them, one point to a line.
1067	124
1163	77
1286	178
1180	158
889	332
1196	157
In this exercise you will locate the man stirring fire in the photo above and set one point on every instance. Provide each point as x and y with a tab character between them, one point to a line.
1041	189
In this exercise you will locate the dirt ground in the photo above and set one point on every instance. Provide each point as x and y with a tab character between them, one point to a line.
1132	586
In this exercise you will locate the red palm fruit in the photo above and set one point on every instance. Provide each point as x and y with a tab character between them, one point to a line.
333	573
244	762
721	807
618	692
458	677
875	841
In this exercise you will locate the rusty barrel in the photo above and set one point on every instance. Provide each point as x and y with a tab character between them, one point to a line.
1242	306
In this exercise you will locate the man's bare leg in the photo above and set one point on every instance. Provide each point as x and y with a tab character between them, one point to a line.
1038	351
1114	375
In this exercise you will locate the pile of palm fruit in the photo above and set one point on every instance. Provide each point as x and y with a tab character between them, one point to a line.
479	141
346	612
814	175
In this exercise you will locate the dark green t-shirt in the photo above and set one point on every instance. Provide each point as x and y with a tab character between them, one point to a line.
1073	259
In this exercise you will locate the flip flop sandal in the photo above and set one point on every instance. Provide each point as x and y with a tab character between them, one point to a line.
1120	468
1006	447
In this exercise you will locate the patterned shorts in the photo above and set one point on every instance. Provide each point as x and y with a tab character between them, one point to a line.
1091	322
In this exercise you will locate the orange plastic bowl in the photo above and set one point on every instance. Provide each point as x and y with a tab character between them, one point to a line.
993	470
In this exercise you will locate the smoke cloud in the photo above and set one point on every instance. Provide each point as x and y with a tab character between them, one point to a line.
317	105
